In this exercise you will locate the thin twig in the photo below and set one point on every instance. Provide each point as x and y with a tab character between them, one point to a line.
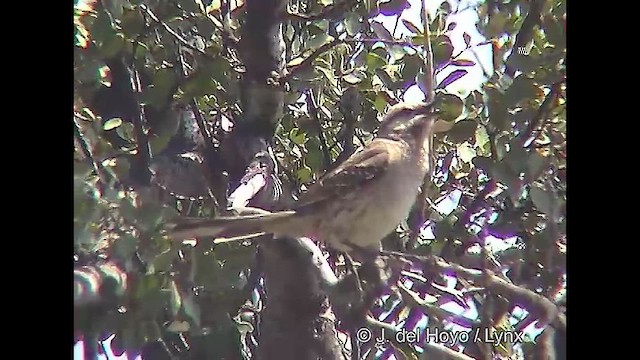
541	115
326	47
539	305
84	146
178	37
144	152
488	303
309	60
429	79
434	311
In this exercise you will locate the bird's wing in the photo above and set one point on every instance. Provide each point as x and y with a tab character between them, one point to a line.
361	168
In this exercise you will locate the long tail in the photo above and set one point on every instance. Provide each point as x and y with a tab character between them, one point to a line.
229	228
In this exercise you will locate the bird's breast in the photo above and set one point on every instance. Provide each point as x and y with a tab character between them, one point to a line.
382	207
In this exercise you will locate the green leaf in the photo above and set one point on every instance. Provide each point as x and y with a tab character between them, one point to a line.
393	7
115	7
318	40
208	270
414	29
297	136
482	140
163	261
127	210
315	158
192	309
381	32
101	29
164	131
112	124
466	152
192	6
175	299
380	102
354	77
411	66
149	217
158	94
554	31
462	131
387	80
450	106
503	174
497	109
442	49
517	158
374	61
132	23
536	165
353	23
497	23
304	174
483	163
125	246
112	45
126	132
542	200
202	82
522	88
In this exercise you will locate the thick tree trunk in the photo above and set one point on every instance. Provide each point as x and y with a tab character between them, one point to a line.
294	324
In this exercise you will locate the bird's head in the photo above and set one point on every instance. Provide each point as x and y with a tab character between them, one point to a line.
408	121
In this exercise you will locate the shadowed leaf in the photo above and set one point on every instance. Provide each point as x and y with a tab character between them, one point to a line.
393	7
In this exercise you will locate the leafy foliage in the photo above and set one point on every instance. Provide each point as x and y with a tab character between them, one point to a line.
140	64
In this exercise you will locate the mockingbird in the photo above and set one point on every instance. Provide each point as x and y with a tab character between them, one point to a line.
354	206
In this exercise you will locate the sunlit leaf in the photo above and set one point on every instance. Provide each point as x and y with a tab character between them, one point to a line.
175	298
112	123
354	77
466	152
375	61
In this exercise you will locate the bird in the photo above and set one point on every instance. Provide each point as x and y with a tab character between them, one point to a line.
355	205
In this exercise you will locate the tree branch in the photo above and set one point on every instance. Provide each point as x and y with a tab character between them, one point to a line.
173	33
86	151
429	80
437	350
524	34
542	307
526	138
